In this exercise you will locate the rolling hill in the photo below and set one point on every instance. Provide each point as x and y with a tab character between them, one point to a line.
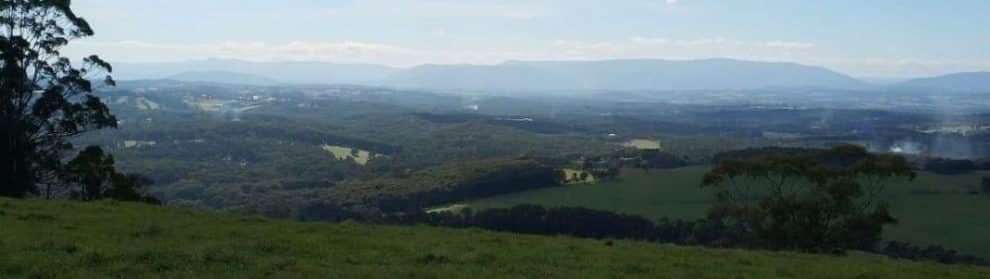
42	239
959	82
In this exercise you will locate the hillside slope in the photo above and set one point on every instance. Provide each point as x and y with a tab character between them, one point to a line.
107	239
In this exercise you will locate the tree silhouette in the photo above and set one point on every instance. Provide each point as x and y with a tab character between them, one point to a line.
44	100
826	201
93	171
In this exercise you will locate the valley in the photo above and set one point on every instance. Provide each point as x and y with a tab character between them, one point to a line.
494	139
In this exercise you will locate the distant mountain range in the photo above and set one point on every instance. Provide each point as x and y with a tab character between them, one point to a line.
286	72
958	82
621	75
223	77
511	76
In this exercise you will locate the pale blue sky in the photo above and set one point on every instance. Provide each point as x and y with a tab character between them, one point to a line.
862	38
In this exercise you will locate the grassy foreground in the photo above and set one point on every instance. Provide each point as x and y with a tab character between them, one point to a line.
108	239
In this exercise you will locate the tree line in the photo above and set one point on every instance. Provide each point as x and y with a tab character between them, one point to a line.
589	223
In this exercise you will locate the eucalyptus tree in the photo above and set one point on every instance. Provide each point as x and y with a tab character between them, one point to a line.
825	201
45	100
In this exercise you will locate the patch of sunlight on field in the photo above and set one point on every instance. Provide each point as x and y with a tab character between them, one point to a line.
145	104
449	208
138	143
207	105
573	176
361	157
643	144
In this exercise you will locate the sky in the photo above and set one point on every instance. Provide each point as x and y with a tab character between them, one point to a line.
862	38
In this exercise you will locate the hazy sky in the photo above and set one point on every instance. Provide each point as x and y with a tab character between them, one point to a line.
860	38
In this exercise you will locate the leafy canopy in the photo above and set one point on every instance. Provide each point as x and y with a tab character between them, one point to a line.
44	100
817	201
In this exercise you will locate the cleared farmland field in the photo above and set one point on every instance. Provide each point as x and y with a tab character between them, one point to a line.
933	209
643	144
343	153
574	176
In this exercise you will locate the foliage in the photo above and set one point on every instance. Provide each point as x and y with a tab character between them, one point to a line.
92	171
368	199
655	159
452	182
533	219
824	202
95	178
203	159
751	153
44	100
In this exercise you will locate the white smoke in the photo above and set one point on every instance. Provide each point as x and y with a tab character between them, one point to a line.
907	147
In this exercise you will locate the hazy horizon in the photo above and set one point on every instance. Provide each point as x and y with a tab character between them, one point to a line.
885	39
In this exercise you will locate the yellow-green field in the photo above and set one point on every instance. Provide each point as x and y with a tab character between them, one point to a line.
138	143
572	176
145	104
643	144
40	239
344	153
206	104
452	208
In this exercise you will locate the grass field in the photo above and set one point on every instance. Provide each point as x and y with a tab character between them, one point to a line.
643	144
206	104
343	153
573	176
933	209
42	239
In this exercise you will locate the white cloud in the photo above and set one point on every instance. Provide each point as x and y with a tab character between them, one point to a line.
517	9
713	41
689	42
397	55
338	52
650	40
670	2
703	42
789	44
